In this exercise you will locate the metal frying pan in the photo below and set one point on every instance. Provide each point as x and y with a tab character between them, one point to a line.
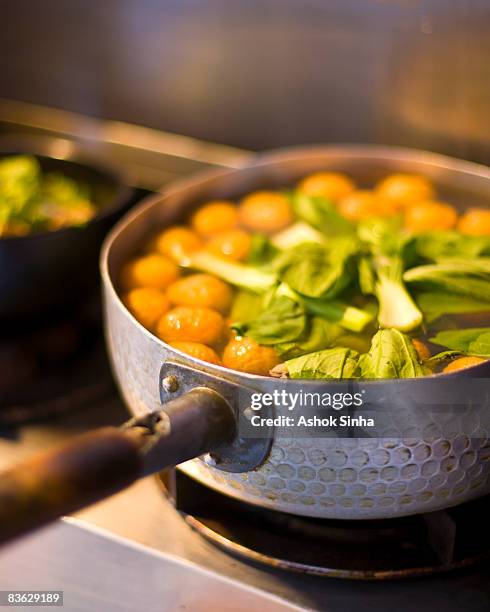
184	407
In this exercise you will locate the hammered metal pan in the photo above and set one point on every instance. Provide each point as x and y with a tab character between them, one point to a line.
425	456
419	464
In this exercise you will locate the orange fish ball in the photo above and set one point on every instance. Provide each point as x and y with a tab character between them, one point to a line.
246	355
147	305
177	242
475	222
215	217
201	290
404	189
197	350
192	324
152	270
461	363
363	204
430	215
234	245
266	211
332	186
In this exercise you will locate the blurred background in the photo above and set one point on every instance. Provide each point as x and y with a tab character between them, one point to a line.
258	74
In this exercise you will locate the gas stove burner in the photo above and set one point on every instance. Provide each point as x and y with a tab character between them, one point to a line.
54	368
363	550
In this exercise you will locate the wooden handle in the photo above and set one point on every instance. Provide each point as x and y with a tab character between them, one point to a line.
90	467
97	464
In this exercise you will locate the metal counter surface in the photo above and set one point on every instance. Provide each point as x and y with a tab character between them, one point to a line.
106	572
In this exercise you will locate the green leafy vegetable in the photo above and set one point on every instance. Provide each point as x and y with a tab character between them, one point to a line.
261	250
31	200
280	319
313	270
284	320
321	214
357	342
318	334
388	238
265	284
392	355
20	178
473	341
442	357
246	306
63	189
469	277
440	244
331	363
396	307
297	234
349	317
381	273
436	304
240	275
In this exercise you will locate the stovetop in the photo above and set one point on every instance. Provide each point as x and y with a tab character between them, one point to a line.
386	549
142	513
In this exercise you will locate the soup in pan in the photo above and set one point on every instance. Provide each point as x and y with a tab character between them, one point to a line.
326	280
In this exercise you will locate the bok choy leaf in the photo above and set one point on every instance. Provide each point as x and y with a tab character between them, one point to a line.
241	275
436	304
321	214
440	244
331	363
381	273
468	277
313	270
392	355
284	320
473	341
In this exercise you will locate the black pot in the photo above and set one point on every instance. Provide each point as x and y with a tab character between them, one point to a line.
48	273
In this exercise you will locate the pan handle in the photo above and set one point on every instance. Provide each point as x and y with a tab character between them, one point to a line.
98	464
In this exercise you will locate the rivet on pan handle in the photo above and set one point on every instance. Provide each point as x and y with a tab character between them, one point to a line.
245	452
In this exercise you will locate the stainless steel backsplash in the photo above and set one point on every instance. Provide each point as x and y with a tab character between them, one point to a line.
261	73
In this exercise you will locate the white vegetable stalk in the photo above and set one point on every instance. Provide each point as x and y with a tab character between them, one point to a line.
396	308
